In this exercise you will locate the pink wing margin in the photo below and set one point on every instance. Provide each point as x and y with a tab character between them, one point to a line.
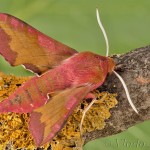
21	44
47	120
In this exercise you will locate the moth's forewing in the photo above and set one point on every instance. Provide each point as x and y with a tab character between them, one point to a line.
21	44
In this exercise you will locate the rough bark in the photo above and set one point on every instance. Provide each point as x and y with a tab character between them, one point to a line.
134	67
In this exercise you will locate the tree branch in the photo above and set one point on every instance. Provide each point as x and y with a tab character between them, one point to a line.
135	70
134	67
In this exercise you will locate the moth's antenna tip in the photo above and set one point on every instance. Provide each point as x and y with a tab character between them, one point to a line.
103	31
97	13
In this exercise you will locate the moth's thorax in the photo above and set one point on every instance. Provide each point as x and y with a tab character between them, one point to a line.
87	67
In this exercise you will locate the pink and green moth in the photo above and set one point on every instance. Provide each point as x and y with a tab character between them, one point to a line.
61	71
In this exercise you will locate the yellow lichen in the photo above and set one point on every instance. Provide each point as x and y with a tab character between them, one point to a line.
14	131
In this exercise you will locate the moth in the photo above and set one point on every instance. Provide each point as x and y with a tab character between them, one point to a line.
62	71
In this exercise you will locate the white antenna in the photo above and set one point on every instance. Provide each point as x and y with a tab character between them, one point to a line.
107	51
103	31
120	78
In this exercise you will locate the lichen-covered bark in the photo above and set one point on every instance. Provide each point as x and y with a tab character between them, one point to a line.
14	131
134	67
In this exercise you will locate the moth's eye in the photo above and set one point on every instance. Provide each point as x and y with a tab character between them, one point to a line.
97	57
101	58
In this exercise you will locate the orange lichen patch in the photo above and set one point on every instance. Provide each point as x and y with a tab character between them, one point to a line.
14	133
99	112
8	84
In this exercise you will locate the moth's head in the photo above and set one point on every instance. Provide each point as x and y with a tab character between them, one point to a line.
107	64
111	65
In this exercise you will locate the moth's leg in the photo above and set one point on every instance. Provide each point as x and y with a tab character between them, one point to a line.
87	108
84	113
90	96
